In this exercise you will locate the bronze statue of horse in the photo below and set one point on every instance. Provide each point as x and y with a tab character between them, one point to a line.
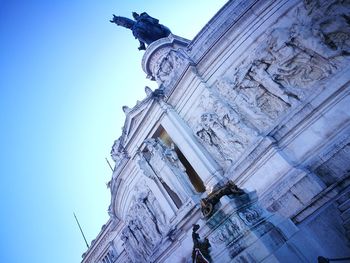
144	28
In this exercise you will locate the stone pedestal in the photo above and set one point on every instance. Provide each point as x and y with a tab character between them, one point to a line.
242	231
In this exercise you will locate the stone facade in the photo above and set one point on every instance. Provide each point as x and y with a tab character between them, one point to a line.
260	97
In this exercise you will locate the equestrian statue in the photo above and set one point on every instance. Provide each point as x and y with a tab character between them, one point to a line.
144	28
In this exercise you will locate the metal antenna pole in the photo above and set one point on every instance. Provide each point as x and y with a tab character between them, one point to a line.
110	166
76	219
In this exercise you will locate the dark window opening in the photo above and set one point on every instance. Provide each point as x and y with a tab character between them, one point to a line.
192	174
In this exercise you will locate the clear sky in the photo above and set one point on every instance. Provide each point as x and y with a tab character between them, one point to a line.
65	73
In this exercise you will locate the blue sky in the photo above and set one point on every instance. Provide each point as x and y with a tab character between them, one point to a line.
65	73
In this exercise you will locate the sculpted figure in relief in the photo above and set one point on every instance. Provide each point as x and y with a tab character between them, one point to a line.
168	64
131	245
138	232
145	227
330	23
258	73
168	168
244	96
231	119
148	224
118	151
210	142
276	79
223	130
291	65
153	210
227	232
147	170
290	61
213	133
265	94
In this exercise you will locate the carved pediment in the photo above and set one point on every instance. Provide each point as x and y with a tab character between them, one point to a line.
135	116
134	120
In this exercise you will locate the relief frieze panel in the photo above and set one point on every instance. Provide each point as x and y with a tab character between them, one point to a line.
281	70
252	100
285	65
229	231
145	226
221	129
294	67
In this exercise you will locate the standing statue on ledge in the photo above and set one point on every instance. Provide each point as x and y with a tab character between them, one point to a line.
201	249
144	28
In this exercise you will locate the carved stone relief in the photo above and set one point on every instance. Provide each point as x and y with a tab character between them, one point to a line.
162	163
251	215
282	69
145	228
330	22
274	80
286	63
146	168
131	245
118	152
291	65
222	129
252	100
168	64
149	201
213	133
227	232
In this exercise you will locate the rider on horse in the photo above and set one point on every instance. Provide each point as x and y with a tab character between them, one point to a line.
145	28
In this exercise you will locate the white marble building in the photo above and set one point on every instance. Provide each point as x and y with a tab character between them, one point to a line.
260	97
